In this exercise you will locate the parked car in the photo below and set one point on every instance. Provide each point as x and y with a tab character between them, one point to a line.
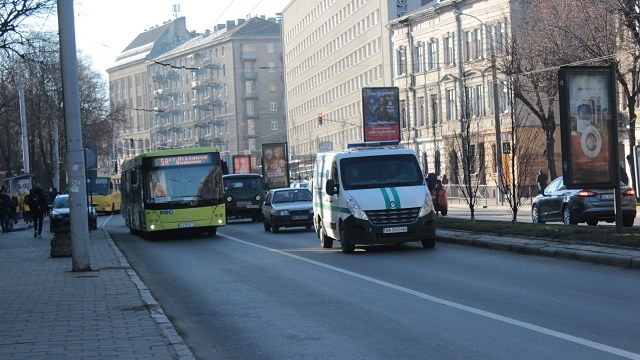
300	184
287	207
573	206
60	210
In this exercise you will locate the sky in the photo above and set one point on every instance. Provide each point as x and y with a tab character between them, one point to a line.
105	28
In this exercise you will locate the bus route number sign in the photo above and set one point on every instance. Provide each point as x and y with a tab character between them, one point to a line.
182	160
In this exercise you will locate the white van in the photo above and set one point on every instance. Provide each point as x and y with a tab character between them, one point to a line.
371	195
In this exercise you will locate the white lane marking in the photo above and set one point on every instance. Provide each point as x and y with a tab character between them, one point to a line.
105	221
487	314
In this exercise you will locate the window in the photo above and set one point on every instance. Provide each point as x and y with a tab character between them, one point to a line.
274	125
434	110
479	95
272	67
432	55
271	48
420	121
222	51
451	106
401	61
449	53
273	86
418	58
273	106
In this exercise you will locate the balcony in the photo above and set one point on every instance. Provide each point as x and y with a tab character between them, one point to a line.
249	76
159	94
251	95
251	115
158	78
216	103
249	56
198	105
197	85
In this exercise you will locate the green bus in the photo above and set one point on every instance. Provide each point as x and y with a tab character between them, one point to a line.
177	189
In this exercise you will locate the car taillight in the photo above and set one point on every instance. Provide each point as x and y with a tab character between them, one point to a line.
629	192
586	193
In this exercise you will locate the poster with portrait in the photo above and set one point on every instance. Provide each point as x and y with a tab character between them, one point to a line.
241	164
381	114
275	167
588	126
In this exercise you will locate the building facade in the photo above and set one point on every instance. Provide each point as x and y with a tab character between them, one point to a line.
222	89
332	49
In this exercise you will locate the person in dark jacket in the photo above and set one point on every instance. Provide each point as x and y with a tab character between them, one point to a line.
5	210
39	207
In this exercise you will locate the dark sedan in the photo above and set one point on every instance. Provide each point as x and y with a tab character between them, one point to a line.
60	211
573	206
287	207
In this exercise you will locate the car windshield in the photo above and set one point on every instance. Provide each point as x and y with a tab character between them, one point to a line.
291	196
240	183
61	202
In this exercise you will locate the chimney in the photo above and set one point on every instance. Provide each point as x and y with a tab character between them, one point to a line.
231	24
240	22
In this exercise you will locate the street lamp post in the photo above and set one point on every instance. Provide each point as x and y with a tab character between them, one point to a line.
462	96
496	103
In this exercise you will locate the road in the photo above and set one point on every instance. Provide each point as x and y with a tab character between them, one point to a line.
247	294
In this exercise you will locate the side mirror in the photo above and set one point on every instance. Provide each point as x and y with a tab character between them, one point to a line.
331	187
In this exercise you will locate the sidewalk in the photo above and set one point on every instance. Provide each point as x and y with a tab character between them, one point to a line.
48	311
600	254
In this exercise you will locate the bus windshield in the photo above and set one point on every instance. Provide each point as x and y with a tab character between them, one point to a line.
184	183
98	186
383	171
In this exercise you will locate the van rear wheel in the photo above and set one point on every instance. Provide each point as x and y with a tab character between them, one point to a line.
325	241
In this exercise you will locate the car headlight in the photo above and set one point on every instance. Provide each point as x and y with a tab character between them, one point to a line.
427	206
355	209
56	215
282	212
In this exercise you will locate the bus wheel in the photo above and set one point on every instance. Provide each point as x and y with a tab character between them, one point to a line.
212	231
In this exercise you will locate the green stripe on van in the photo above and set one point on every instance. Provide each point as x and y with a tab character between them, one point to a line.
387	201
396	197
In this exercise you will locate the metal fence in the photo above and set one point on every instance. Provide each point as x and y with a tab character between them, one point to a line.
488	195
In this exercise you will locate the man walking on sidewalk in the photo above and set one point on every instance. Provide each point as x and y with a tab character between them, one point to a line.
38	205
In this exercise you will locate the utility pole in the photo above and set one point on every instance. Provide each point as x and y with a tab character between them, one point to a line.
23	127
75	150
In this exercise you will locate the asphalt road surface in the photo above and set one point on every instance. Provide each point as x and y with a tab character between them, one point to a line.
248	294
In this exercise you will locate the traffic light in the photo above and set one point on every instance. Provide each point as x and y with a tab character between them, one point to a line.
319	118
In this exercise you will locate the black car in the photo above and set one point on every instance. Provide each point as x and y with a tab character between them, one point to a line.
573	206
287	207
60	211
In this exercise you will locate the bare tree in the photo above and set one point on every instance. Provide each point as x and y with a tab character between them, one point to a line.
14	27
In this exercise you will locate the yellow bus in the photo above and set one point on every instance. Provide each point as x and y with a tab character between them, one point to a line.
177	189
104	193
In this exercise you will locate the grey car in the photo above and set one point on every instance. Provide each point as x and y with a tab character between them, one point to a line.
573	206
287	207
60	211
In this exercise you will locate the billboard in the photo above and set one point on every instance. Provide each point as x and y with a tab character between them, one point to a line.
241	164
325	146
381	113
588	125
275	167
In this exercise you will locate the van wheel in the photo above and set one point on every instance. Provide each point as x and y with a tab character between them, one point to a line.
266	225
345	245
325	241
275	228
429	243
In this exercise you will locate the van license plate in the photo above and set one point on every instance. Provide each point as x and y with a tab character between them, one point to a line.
394	230
186	225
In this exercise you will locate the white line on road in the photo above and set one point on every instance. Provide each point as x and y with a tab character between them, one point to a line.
487	314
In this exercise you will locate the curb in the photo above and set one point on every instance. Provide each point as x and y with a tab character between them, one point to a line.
599	254
176	343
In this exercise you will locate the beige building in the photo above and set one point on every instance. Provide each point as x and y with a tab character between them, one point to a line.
223	89
332	49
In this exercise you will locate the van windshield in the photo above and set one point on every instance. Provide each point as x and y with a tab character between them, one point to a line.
380	171
243	183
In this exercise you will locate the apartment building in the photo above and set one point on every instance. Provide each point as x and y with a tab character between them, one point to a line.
332	49
223	89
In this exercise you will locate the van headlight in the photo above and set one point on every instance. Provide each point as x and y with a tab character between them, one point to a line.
427	206
355	209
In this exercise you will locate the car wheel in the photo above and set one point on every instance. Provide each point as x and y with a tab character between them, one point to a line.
535	215
275	228
325	241
628	222
266	225
345	245
592	222
566	217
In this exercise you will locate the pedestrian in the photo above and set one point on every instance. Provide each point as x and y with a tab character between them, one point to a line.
39	207
445	180
26	210
5	209
15	209
541	179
